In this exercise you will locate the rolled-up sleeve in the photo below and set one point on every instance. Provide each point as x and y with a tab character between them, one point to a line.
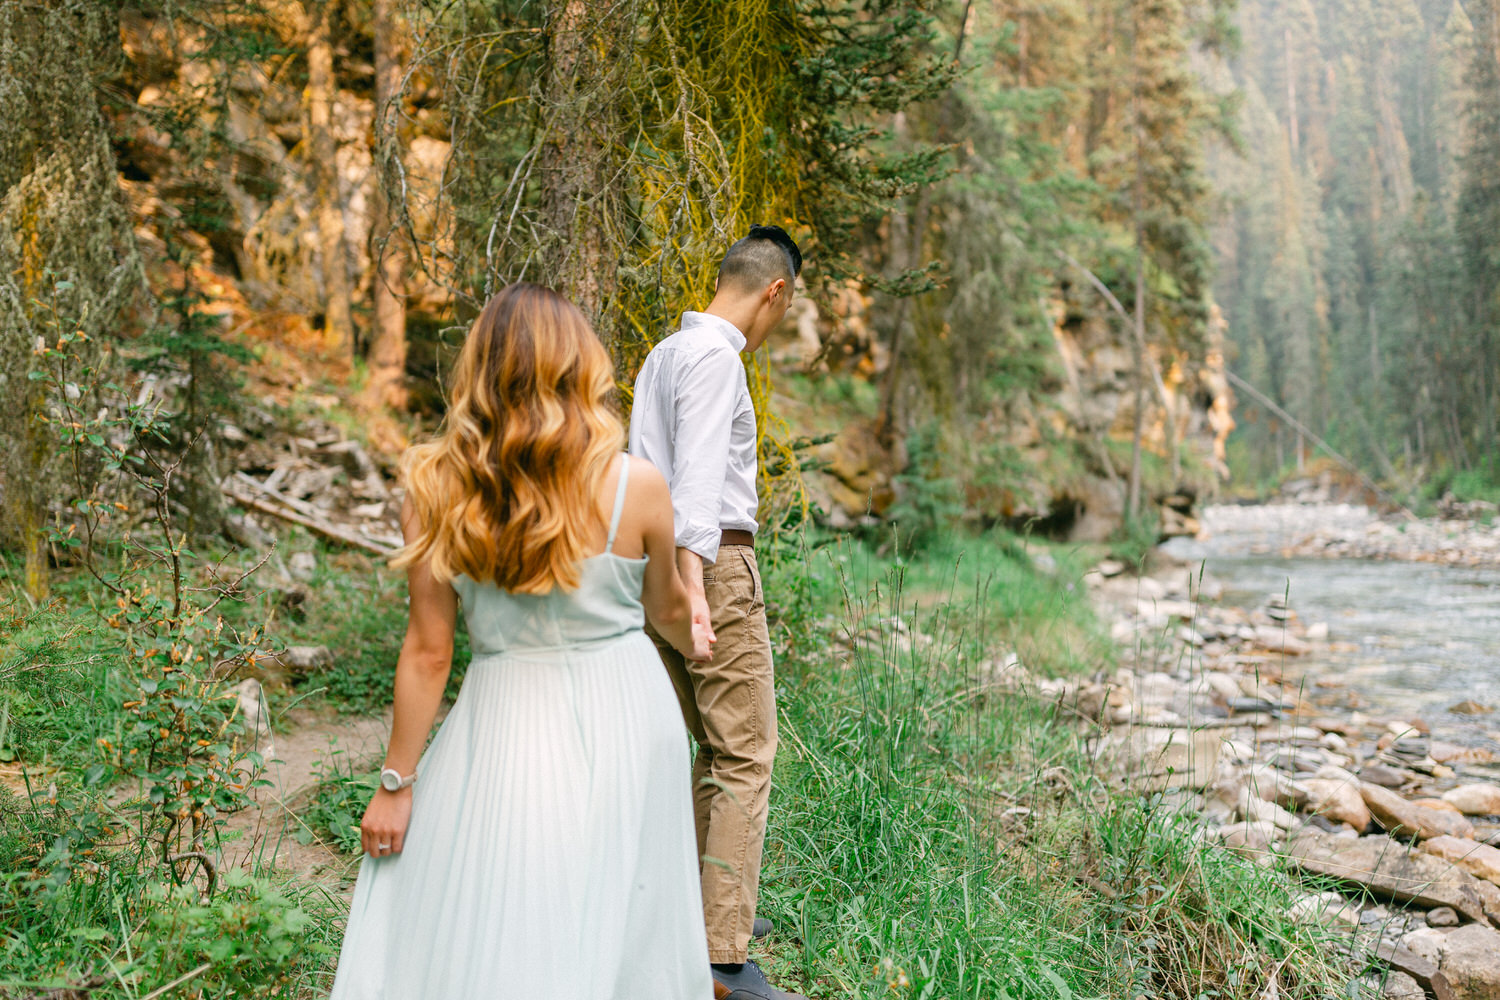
704	418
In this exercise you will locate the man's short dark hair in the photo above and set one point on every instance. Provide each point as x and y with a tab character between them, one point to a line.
765	254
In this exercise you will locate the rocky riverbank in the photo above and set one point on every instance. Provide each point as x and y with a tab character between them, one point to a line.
1391	830
1469	534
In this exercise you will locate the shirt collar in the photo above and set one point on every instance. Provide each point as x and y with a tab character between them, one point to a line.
728	330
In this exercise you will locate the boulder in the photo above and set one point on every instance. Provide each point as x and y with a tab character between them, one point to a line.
1388	870
1475	799
1471	962
1340	801
1479	860
1404	819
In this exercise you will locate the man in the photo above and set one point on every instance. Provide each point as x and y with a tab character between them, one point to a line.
693	419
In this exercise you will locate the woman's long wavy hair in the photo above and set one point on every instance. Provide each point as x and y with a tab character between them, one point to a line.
508	491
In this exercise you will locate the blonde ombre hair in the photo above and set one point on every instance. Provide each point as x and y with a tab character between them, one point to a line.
507	491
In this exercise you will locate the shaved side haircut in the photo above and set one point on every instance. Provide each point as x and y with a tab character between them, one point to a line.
760	258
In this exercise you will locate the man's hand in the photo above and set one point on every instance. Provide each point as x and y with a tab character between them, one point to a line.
690	569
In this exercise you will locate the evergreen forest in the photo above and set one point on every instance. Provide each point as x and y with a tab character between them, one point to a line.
1077	273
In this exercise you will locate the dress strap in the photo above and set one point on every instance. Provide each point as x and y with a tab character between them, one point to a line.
614	519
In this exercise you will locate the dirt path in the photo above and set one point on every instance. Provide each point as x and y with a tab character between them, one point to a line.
301	745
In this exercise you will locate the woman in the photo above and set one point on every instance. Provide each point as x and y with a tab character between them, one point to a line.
545	848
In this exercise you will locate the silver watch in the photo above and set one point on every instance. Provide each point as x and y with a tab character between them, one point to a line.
392	781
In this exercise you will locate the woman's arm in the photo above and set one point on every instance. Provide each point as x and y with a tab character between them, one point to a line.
663	594
421	675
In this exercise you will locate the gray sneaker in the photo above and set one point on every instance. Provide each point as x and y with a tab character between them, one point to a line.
750	984
761	928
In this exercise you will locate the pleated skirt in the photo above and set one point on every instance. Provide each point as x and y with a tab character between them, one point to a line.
551	852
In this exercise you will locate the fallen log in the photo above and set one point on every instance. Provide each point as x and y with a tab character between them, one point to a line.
285	509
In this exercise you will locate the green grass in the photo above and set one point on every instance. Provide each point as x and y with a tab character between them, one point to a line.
933	836
338	801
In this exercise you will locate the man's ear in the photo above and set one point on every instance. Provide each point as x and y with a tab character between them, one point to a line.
775	289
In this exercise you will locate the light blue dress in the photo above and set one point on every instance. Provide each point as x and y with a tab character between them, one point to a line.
551	853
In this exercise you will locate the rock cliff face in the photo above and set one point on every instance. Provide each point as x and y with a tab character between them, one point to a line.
1067	446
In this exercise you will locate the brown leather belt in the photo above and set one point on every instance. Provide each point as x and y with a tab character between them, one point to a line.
737	536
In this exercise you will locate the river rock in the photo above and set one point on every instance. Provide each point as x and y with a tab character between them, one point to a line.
1467	707
1254	809
1426	942
1332	772
1155	758
1442	916
1471	961
1404	819
1422	969
1274	786
1221	684
1248	839
1400	986
1388	870
1279	640
1452	753
1447	807
1338	800
1475	800
1479	860
1325	908
1385	776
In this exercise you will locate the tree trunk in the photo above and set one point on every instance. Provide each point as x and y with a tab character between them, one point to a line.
580	199
387	386
322	156
1133	497
67	252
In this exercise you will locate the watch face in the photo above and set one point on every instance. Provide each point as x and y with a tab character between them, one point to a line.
390	780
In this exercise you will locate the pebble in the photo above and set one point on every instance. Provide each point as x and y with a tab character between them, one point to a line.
1443	916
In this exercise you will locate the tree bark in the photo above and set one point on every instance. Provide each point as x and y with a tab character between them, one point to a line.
322	156
1133	496
387	360
579	199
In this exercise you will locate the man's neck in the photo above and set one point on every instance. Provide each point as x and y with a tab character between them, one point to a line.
733	310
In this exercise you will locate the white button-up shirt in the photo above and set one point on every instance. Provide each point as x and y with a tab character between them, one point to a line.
693	419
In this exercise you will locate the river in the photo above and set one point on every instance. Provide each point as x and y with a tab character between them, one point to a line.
1409	637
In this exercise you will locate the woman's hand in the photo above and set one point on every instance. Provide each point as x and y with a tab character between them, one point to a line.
704	640
383	830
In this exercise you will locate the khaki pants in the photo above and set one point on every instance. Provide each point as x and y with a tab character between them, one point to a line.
729	705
